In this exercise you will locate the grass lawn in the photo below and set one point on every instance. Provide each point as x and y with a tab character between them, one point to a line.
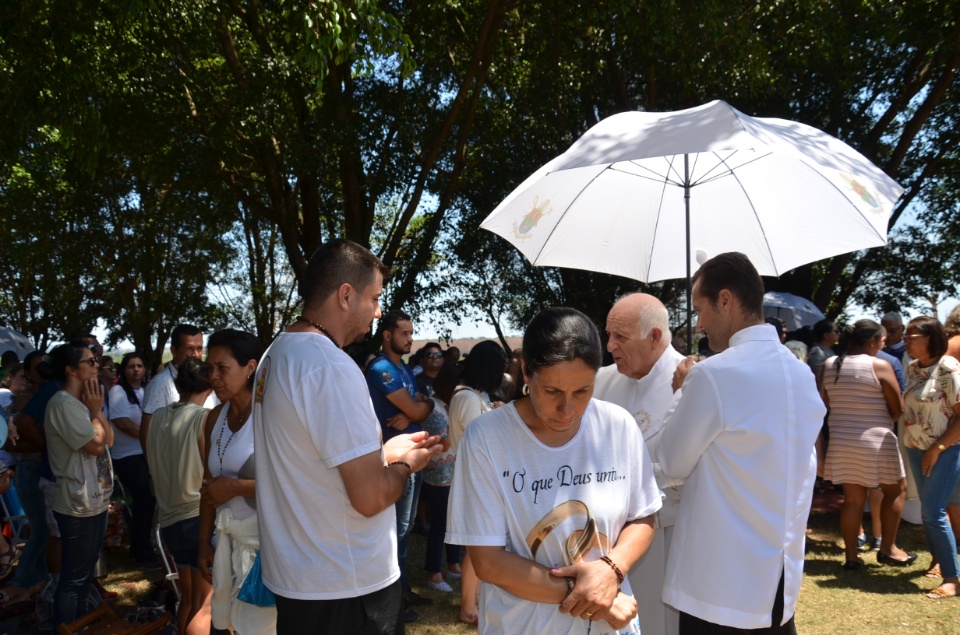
874	600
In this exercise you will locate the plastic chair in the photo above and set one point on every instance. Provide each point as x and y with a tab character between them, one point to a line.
105	621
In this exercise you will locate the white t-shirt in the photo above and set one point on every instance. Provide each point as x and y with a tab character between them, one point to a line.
466	405
161	392
229	452
124	445
312	413
509	489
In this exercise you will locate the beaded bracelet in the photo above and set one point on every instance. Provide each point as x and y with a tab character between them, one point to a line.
615	568
570	585
403	463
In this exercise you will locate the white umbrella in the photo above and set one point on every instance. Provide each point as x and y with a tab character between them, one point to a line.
796	312
11	340
619	200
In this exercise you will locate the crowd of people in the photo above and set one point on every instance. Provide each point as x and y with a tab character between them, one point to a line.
564	496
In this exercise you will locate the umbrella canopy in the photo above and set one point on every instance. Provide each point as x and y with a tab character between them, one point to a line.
11	340
618	200
796	312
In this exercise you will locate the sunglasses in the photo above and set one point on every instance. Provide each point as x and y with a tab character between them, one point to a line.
433	355
90	360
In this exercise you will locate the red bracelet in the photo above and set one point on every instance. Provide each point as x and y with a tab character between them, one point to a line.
615	568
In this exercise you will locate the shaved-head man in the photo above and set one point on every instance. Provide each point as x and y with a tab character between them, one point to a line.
640	342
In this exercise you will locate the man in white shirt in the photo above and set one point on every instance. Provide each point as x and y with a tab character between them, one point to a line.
639	339
742	436
186	340
326	485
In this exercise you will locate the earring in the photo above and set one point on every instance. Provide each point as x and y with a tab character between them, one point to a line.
525	390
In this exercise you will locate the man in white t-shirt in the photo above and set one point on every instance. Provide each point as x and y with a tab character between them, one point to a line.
186	340
326	485
639	339
742	436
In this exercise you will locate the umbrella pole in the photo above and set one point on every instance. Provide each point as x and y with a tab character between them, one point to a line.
686	203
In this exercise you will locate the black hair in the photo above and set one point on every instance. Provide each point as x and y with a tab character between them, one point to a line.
8	358
937	343
821	328
44	367
65	355
483	367
390	320
446	381
335	263
181	331
243	347
431	345
193	377
734	272
560	334
856	336
122	376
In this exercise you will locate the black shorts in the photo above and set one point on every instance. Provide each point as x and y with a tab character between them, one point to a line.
377	613
182	540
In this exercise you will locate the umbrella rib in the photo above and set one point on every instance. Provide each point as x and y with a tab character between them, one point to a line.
754	209
708	178
656	177
557	224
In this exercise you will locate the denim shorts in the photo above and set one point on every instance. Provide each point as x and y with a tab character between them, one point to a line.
182	540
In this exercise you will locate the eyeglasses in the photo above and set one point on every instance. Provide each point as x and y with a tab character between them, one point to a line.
90	360
914	336
433	355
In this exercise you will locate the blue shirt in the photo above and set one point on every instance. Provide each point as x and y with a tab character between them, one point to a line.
37	408
385	377
897	367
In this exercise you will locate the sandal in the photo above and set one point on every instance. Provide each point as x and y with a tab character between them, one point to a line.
853	565
934	571
6	568
940	593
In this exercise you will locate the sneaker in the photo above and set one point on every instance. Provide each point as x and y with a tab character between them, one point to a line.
441	586
412	599
410	616
862	542
876	543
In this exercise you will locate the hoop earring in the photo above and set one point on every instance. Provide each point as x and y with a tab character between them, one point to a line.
525	391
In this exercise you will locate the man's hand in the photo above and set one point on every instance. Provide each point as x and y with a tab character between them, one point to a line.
681	373
398	421
414	449
218	491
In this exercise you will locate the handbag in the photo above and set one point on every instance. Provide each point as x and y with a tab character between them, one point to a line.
253	590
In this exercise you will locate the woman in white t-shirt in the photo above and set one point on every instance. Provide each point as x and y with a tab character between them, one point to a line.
125	407
227	498
554	494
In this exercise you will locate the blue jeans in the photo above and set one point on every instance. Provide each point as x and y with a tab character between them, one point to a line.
935	491
406	517
82	540
33	561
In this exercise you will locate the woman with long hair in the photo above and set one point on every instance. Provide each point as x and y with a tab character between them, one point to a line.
554	494
126	410
931	432
227	502
78	437
482	374
864	399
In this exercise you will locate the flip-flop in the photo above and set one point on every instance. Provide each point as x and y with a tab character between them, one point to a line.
939	593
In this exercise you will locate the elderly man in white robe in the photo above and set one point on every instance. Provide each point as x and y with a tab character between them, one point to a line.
640	342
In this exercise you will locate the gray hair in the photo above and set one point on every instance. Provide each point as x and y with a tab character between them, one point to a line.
651	316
